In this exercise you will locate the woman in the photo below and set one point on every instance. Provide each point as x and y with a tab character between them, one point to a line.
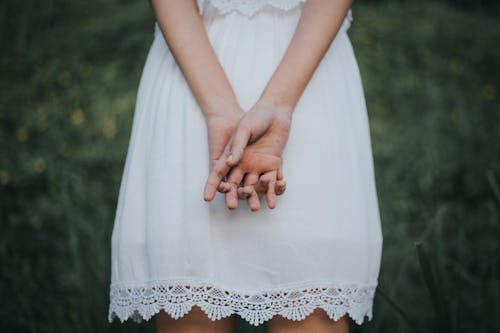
273	87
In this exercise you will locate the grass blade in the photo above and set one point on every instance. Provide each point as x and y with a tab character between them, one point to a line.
443	322
397	308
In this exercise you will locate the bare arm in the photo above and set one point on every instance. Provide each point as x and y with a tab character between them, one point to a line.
187	39
317	27
266	125
184	32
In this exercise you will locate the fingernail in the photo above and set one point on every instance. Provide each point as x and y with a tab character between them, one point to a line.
229	158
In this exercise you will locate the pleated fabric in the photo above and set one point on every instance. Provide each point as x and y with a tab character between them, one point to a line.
319	248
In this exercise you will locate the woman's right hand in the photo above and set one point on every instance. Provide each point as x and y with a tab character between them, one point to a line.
256	148
221	128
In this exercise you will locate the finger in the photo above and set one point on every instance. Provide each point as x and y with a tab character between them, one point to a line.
280	173
271	194
280	187
263	184
227	149
280	183
245	191
234	179
224	187
218	172
242	195
232	197
251	179
253	201
235	176
238	143
253	198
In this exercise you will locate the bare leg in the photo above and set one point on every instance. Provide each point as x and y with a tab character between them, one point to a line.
195	321
317	322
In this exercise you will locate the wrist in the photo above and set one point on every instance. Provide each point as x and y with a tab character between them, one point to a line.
221	107
279	114
280	102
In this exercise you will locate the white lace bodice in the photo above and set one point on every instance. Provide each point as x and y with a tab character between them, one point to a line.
250	7
247	7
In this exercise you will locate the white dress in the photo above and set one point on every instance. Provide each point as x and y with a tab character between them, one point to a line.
320	247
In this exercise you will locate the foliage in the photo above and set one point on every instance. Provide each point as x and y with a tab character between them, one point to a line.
431	81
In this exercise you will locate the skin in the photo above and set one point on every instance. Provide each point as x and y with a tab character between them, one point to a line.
266	132
316	29
187	39
196	321
246	147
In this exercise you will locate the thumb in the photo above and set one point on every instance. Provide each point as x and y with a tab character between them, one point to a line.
238	143
280	172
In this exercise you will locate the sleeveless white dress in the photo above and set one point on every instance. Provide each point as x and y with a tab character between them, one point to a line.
319	248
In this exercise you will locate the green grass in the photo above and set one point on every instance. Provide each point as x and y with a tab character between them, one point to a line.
69	74
431	75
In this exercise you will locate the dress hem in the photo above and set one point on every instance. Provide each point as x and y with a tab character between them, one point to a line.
295	303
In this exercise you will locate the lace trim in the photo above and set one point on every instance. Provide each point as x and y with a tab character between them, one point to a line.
247	7
250	7
143	302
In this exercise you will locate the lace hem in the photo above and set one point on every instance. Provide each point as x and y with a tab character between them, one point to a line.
247	7
143	302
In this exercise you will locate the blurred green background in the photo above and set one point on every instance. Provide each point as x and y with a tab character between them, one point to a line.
69	73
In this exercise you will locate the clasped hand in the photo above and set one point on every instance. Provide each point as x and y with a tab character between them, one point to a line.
245	154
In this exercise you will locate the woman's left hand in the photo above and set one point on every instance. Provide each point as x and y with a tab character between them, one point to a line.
254	149
220	128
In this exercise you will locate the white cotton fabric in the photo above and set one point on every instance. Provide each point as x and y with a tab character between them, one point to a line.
246	7
319	248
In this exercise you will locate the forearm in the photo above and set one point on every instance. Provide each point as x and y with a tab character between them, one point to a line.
184	31
317	27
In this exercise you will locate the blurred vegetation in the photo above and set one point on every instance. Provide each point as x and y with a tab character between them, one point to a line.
69	73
